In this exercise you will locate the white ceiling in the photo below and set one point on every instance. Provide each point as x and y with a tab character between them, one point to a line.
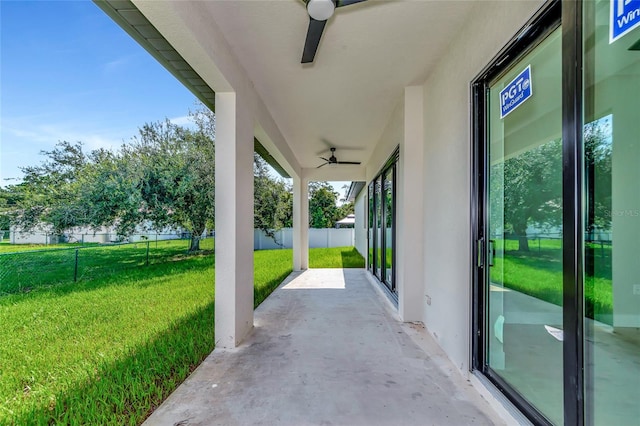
368	53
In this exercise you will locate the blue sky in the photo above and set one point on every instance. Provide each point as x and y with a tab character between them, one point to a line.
68	72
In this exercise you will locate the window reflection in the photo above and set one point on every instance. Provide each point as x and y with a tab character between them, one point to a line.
524	330
389	216
612	219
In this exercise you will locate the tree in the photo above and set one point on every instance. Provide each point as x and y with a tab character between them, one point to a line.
323	210
10	197
164	177
110	186
597	153
531	189
285	210
273	200
48	193
531	184
345	210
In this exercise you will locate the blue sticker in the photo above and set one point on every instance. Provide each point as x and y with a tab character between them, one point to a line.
519	90
624	17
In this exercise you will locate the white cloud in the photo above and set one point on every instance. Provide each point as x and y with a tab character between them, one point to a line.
50	135
25	137
185	120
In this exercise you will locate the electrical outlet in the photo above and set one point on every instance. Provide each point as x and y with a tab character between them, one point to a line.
636	289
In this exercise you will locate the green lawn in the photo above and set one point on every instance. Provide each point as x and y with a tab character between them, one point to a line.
5	247
106	351
339	257
48	265
538	273
111	347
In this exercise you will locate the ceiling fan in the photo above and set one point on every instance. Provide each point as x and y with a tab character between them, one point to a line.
334	160
319	11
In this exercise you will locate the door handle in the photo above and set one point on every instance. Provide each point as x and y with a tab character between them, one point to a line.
492	251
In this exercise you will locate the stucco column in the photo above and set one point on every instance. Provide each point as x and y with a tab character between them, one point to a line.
410	225
234	221
300	224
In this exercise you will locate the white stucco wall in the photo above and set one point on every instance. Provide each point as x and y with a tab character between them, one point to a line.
447	165
392	136
361	222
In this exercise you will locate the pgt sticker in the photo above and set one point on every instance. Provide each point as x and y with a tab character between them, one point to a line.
516	93
624	17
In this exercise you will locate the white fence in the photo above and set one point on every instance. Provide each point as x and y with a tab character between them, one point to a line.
326	237
283	238
44	235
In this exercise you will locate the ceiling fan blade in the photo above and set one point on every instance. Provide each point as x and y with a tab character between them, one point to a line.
340	3
322	158
314	33
322	165
348	162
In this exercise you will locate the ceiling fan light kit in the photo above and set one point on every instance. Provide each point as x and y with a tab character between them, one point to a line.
320	10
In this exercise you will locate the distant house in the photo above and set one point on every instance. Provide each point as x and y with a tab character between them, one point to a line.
347	222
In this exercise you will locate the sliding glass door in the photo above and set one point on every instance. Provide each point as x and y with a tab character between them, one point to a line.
524	288
557	215
382	224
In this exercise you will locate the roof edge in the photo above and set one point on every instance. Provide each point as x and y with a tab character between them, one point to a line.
133	22
354	190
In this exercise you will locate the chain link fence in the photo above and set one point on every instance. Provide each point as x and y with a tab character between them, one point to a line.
599	243
26	268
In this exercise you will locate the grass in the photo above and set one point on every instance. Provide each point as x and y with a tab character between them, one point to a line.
5	247
92	352
339	257
538	273
22	272
108	349
270	268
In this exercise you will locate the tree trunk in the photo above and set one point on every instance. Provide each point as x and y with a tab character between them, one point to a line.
196	234
195	243
523	242
521	232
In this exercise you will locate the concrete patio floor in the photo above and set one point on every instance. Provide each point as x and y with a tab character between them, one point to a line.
327	349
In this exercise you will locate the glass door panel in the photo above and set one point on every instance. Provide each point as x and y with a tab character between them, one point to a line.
378	229
524	309
612	215
388	222
371	241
